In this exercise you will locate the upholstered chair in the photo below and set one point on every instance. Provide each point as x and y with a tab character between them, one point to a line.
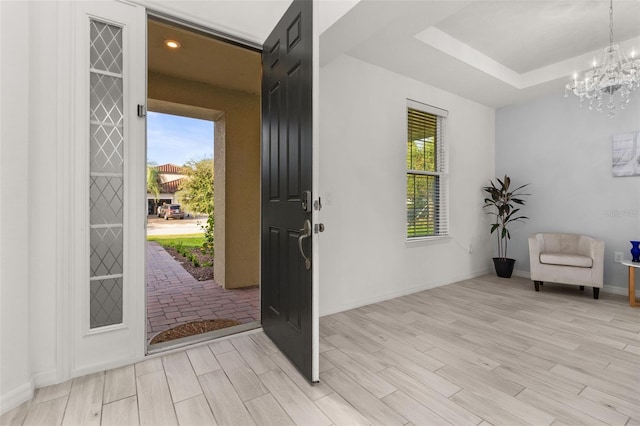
567	259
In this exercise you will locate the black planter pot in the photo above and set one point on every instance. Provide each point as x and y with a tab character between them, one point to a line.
504	266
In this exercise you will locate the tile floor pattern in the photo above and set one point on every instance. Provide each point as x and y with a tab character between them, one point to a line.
174	297
486	351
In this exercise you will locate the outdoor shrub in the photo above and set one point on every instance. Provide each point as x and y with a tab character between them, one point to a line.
207	245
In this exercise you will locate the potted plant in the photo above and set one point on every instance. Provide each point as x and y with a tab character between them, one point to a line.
502	203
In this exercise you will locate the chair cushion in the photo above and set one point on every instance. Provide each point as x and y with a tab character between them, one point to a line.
564	259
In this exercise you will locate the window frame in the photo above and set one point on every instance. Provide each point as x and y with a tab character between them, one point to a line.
442	233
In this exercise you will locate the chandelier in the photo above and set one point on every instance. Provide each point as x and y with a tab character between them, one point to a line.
615	78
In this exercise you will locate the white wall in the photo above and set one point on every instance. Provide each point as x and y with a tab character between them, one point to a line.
43	190
31	259
15	371
564	152
364	257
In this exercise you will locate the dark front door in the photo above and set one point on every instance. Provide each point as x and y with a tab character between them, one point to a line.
286	280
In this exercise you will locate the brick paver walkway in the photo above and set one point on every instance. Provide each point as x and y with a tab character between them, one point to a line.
174	297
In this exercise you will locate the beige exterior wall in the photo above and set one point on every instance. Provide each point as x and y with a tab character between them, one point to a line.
219	196
237	173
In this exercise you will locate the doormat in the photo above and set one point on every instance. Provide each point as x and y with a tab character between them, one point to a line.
191	329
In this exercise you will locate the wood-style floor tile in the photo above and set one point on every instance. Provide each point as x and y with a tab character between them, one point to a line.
123	412
225	403
195	411
119	383
267	412
296	404
84	406
182	380
48	413
155	405
202	360
245	382
375	410
484	351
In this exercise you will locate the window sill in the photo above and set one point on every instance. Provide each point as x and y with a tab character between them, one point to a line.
427	241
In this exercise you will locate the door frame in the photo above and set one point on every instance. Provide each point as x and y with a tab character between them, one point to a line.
66	319
163	13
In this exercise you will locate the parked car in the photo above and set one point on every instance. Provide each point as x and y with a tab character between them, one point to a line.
173	211
162	209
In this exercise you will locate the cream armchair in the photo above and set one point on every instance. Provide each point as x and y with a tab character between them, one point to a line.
567	259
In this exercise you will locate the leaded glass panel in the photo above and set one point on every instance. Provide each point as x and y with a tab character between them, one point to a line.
106	302
106	177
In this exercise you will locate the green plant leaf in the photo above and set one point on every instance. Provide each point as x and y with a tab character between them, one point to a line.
502	205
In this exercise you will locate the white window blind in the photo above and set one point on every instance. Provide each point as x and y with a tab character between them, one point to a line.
427	180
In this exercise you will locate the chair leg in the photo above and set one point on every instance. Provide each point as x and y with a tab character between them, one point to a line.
537	285
581	288
596	292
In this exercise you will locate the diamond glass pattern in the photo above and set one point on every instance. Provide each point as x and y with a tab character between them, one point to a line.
106	186
106	149
106	99
106	302
106	251
106	200
106	47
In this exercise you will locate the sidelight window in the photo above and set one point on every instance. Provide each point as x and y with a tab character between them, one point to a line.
106	174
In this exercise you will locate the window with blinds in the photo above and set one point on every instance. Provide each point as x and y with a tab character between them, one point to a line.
426	172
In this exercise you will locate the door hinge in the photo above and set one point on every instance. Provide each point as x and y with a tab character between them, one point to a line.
142	111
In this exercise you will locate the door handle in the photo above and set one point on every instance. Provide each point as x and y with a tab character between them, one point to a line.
304	233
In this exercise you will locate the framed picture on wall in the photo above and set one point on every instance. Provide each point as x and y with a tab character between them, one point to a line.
626	154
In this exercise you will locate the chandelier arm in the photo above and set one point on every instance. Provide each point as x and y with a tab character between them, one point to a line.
610	23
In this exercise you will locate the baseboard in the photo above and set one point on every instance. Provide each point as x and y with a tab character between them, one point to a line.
523	274
45	378
612	289
622	291
402	292
94	368
17	396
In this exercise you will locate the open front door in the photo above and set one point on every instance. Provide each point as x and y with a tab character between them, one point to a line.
286	275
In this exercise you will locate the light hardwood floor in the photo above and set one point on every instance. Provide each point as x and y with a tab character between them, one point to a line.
479	352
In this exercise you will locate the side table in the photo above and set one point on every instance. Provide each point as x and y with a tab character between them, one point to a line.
632	281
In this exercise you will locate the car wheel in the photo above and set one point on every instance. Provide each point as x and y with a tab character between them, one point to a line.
166	217
182	218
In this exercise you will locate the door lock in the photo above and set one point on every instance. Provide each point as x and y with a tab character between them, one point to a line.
306	202
318	227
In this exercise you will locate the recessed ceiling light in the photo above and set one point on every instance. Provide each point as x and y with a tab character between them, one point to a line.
172	44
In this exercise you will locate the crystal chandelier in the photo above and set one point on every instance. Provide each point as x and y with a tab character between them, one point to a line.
617	75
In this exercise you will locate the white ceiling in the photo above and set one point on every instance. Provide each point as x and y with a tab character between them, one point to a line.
494	52
251	20
526	35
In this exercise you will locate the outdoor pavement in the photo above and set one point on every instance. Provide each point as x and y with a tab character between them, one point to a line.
174	297
190	225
